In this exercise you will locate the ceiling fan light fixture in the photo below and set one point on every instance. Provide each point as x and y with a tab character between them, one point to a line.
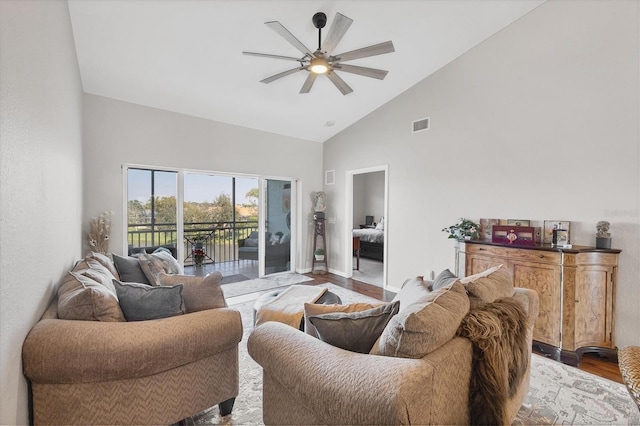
319	66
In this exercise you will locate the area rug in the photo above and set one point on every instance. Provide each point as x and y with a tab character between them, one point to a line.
559	394
228	279
261	284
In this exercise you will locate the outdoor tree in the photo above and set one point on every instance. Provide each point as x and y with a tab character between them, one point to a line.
252	195
165	209
137	212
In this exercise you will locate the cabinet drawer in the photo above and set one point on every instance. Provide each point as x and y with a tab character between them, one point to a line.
513	253
592	258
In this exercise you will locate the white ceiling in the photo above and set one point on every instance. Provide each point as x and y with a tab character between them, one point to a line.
185	56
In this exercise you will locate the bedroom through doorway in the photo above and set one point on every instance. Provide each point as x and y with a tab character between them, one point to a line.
368	225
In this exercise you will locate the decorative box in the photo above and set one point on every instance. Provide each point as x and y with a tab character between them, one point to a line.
516	235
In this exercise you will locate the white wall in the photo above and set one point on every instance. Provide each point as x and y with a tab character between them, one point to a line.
368	197
118	132
40	176
541	121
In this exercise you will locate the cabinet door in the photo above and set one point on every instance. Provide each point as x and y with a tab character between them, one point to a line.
545	279
594	306
477	263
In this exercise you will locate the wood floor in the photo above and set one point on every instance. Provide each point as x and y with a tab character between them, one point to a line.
589	362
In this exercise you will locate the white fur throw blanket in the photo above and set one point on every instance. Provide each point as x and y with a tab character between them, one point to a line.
288	306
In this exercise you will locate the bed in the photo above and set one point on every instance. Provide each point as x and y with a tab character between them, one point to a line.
371	243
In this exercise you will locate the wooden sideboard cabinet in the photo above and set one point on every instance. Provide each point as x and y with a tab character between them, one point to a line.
576	287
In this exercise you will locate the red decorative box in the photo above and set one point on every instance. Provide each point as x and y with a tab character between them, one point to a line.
516	235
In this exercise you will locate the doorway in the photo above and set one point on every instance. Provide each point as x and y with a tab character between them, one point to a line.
367	225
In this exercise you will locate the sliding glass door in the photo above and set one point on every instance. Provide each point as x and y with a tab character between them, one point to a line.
212	222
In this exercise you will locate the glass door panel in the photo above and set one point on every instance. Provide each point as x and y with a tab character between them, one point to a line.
151	210
277	222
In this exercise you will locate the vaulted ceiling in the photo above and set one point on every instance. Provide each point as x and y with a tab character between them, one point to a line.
186	55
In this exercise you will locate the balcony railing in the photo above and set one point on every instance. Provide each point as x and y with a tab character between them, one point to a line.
219	239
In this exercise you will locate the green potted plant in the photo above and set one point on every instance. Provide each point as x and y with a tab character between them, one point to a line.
319	253
464	230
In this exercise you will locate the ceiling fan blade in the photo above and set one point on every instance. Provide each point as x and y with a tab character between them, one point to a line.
280	29
365	52
306	87
267	55
280	75
340	84
367	72
339	27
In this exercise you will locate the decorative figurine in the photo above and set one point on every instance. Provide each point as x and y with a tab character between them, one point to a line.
319	204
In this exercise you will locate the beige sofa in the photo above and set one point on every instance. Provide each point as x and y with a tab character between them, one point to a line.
323	384
109	371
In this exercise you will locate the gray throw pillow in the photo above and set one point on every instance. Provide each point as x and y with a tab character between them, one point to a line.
141	302
443	279
129	269
354	331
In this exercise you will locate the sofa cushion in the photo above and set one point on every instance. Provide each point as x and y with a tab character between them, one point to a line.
199	293
105	261
101	277
80	297
251	242
141	302
311	309
156	263
425	325
354	331
443	279
490	285
129	269
412	290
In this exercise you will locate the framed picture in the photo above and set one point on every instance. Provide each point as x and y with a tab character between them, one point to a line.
551	225
518	222
562	237
486	226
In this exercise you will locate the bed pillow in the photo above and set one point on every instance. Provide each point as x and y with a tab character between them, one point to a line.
199	293
141	302
425	325
380	225
311	309
129	269
354	331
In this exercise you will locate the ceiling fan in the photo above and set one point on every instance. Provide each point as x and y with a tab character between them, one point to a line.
323	61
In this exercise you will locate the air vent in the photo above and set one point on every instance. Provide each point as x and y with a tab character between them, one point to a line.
420	125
